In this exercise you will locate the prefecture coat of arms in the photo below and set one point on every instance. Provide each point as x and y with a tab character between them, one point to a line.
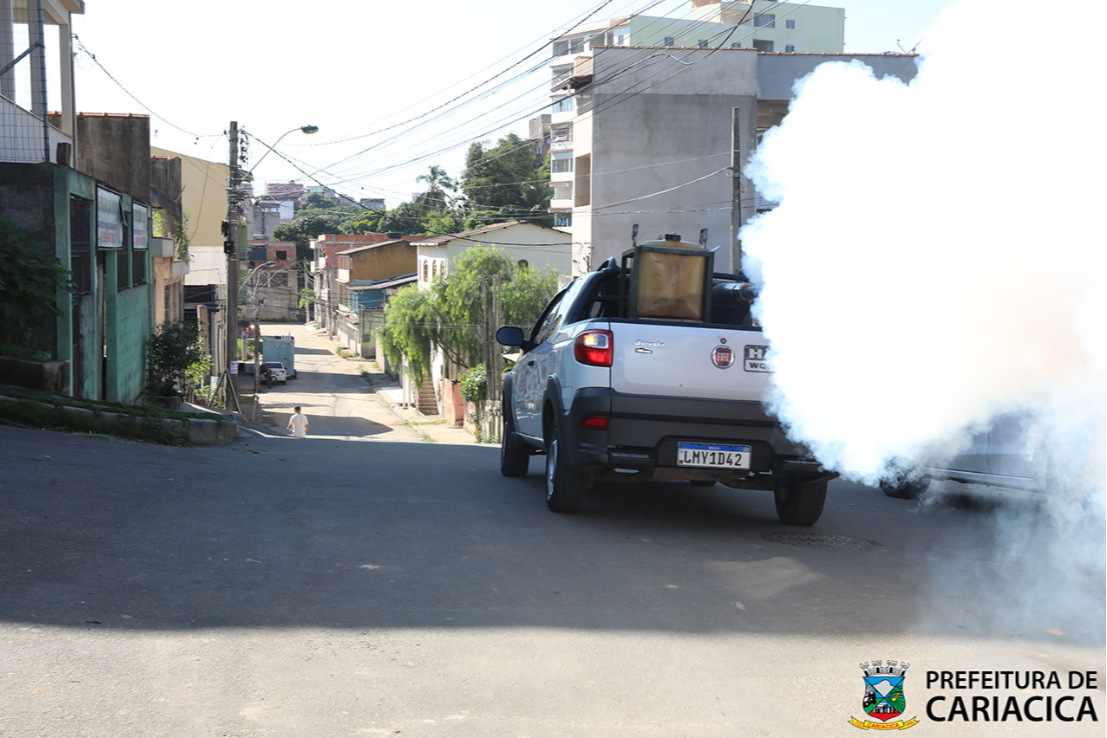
884	700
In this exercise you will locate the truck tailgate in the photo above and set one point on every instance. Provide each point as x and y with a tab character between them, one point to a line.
694	361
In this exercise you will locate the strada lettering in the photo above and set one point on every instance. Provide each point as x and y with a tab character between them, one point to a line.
995	709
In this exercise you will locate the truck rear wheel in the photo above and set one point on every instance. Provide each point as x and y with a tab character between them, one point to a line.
514	454
565	488
798	502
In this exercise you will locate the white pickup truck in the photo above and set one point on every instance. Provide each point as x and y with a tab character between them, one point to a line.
613	398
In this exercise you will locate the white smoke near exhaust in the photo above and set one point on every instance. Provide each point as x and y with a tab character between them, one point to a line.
938	254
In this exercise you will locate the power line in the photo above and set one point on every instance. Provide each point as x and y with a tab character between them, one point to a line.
145	107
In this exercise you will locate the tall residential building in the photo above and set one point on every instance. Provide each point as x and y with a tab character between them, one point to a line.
749	24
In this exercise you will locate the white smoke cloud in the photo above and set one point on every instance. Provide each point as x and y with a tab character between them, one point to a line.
938	258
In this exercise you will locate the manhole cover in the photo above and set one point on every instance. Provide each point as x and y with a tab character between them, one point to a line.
819	540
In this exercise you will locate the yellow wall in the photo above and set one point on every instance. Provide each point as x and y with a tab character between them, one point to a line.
204	197
384	262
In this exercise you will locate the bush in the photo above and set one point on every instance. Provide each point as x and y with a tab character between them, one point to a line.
474	384
174	355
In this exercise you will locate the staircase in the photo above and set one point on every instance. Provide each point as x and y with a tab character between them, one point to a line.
428	401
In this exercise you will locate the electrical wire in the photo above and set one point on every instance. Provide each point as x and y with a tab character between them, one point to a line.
144	106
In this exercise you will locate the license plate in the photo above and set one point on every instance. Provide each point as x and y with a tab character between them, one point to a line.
713	455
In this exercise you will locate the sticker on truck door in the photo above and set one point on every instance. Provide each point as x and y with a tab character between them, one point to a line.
756	359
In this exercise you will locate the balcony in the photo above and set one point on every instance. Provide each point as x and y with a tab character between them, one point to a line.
561	203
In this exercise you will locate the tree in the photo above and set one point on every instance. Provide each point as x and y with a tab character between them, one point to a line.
318	201
171	355
311	223
503	182
438	185
406	218
448	315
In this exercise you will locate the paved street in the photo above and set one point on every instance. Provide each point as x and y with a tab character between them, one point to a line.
365	582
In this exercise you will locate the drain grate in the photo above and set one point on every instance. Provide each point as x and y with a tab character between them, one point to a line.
816	539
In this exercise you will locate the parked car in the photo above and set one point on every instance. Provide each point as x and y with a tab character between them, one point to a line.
998	457
606	393
279	373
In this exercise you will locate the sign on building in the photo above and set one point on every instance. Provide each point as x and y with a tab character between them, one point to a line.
109	219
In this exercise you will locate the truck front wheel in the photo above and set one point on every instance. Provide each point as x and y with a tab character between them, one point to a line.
565	488
799	502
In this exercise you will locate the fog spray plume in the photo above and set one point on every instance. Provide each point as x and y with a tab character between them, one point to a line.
937	256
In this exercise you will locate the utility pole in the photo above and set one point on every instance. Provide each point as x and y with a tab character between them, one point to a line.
230	246
735	192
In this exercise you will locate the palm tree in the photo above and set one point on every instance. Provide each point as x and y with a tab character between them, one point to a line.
438	184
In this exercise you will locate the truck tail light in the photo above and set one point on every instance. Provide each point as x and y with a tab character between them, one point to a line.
595	422
594	348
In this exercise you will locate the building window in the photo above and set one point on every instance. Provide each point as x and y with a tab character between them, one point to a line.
282	256
140	243
280	280
669	41
702	42
563	221
123	258
523	263
426	271
765	20
561	164
434	269
80	243
789	48
736	45
138	266
763	45
563	105
789	24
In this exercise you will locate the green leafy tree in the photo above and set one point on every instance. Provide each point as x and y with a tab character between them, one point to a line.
318	200
311	223
504	182
368	222
439	185
448	315
30	278
408	218
406	333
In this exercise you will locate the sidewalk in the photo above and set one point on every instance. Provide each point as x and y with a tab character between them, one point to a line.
434	428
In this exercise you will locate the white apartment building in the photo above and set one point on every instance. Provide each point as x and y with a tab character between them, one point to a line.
748	24
655	142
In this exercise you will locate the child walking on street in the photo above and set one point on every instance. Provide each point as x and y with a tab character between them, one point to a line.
298	424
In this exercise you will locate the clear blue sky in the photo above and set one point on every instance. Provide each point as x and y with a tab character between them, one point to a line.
353	67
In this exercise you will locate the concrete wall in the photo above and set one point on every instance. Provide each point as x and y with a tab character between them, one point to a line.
203	198
384	262
115	149
777	74
37	198
543	248
670	130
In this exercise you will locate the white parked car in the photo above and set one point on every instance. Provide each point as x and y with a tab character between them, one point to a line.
279	373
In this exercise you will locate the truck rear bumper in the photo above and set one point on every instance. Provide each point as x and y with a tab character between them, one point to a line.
643	433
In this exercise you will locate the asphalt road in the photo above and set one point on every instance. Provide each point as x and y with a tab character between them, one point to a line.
361	582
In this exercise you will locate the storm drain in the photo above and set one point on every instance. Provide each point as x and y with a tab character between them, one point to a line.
843	543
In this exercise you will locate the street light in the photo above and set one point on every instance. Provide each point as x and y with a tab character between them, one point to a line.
303	129
236	178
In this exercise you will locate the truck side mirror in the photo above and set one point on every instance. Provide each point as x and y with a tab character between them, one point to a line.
510	336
